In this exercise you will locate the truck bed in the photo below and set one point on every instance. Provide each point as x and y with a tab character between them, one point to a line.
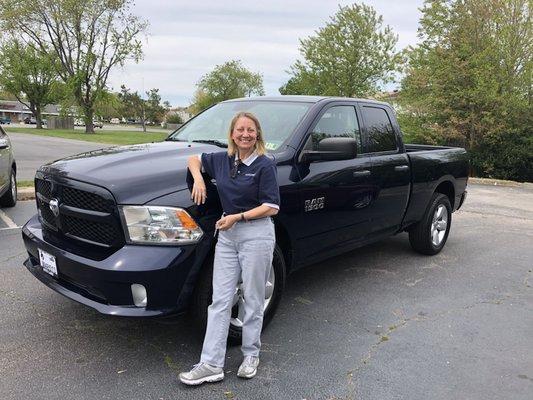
430	167
410	148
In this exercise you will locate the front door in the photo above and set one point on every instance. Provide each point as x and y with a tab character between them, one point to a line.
333	194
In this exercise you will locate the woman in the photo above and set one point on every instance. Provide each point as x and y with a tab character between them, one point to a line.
249	193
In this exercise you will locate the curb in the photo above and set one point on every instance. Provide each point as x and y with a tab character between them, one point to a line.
26	193
500	182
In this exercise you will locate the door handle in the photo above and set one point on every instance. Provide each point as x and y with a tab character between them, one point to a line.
401	167
362	173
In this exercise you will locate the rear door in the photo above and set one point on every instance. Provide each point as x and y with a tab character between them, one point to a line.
4	160
333	194
390	168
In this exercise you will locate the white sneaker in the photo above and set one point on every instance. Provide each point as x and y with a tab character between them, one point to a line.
248	368
201	373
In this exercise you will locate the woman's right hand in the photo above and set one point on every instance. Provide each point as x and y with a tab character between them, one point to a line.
199	192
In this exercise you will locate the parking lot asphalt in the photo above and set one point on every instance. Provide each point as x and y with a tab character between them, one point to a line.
33	151
380	322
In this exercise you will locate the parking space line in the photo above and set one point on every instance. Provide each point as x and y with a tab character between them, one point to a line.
10	229
8	221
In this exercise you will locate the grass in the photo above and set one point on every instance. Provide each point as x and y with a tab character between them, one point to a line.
22	184
100	136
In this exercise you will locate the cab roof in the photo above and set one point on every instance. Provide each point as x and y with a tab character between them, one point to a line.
302	99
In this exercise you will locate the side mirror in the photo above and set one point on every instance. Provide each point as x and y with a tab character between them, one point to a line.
331	149
4	144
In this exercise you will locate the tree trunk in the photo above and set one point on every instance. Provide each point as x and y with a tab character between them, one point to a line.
38	118
89	114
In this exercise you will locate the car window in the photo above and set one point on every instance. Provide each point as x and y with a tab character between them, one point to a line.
381	135
337	121
278	120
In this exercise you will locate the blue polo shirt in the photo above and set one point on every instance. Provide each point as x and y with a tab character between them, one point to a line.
254	184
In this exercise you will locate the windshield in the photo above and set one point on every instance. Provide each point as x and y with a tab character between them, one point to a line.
277	119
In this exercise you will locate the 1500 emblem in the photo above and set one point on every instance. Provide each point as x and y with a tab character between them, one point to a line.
314	204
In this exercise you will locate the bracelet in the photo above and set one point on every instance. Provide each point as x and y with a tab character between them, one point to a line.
242	217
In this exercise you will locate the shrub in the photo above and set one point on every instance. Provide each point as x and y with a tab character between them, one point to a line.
174	119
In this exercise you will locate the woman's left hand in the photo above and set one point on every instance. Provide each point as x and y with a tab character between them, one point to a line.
227	222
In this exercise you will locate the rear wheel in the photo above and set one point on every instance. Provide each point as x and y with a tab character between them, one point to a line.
273	289
9	199
430	234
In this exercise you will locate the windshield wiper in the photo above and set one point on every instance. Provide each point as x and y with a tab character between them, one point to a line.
171	139
211	141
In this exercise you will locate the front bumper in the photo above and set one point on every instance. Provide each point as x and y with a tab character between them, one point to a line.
167	272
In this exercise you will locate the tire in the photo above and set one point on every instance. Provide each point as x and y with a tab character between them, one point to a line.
203	293
9	199
430	234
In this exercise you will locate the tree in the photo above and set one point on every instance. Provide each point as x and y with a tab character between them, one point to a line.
89	37
154	111
29	75
174	119
227	81
469	83
351	56
107	105
134	106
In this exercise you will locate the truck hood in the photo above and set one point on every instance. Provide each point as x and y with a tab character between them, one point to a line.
134	174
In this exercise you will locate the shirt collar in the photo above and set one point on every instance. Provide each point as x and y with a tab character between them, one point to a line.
248	160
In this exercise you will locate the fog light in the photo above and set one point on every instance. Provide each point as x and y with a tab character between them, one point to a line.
139	295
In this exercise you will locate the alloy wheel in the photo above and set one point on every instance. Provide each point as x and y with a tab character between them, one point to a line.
439	225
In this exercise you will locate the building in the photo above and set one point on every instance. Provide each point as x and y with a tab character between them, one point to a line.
16	111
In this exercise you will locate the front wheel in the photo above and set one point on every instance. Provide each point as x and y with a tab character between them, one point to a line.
273	289
9	199
430	234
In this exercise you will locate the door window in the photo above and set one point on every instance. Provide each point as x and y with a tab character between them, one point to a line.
337	121
381	136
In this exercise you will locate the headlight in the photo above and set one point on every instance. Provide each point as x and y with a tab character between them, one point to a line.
159	225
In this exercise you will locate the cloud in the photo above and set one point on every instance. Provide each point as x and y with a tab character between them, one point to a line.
187	39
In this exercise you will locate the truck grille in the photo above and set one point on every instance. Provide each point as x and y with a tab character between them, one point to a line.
87	201
93	231
87	213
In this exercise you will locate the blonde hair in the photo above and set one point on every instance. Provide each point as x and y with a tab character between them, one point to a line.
260	147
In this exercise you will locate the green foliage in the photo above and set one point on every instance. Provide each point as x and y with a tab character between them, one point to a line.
469	83
89	37
505	155
29	75
174	119
227	81
5	95
134	106
351	56
107	105
154	111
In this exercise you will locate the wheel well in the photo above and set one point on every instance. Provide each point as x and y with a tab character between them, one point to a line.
284	242
447	189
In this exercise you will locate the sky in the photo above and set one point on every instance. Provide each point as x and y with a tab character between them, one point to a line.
187	39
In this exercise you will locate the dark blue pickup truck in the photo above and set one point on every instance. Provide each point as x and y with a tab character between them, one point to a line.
116	229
